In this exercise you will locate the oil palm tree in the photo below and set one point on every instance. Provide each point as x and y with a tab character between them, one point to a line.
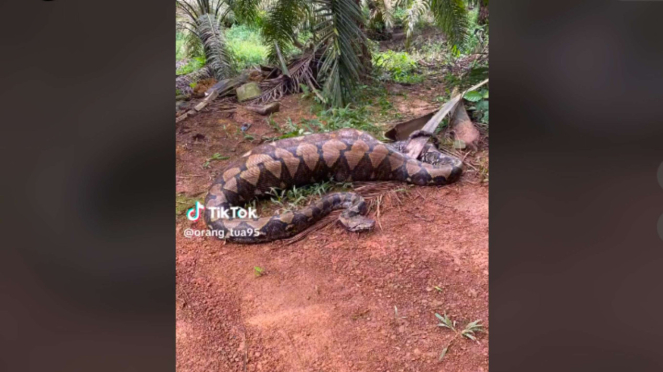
450	16
201	21
338	48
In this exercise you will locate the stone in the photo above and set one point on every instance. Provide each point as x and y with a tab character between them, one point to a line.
248	91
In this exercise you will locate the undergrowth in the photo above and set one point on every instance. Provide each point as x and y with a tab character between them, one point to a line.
399	67
296	197
192	65
246	46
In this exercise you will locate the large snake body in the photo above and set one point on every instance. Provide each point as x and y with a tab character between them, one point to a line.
344	155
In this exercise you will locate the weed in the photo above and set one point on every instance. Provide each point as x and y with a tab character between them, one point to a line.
347	117
183	203
214	157
258	271
246	46
469	331
397	66
295	197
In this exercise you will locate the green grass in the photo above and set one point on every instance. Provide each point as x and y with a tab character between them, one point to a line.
296	197
243	41
214	157
183	203
246	46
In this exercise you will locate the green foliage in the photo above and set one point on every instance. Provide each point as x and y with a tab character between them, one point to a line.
295	197
341	38
446	322
244	11
397	66
479	107
280	25
380	15
192	65
336	118
451	16
470	330
415	10
246	46
216	53
473	96
477	35
258	271
201	23
183	203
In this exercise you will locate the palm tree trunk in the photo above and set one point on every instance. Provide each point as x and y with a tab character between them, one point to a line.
483	13
366	58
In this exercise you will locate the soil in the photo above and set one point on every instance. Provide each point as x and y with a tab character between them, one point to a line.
333	301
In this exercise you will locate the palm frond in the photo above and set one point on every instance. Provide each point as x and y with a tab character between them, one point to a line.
216	53
340	40
245	11
416	9
452	17
382	11
280	26
300	72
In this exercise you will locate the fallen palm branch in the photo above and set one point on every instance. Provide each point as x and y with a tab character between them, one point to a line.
416	145
300	72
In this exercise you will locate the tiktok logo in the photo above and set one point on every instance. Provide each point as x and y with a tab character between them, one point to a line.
197	208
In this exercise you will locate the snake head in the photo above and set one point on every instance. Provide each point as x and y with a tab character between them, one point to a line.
356	223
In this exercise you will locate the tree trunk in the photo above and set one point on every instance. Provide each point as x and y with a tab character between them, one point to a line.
483	13
366	58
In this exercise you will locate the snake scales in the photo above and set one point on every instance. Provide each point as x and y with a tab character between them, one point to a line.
346	155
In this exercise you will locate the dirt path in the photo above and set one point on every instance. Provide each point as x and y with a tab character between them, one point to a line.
334	301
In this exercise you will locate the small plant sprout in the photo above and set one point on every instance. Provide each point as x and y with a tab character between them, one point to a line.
446	322
469	331
471	328
258	271
214	157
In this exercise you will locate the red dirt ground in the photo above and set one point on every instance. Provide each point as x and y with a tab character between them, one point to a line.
334	301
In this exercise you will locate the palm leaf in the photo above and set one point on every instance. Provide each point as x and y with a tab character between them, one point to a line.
340	39
280	26
216	54
414	13
452	17
245	11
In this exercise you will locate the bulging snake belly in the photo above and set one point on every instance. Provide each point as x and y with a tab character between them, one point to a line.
344	155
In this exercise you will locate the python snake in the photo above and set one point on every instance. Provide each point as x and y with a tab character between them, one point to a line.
345	155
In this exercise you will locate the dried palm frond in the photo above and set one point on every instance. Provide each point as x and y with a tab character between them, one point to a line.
300	71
